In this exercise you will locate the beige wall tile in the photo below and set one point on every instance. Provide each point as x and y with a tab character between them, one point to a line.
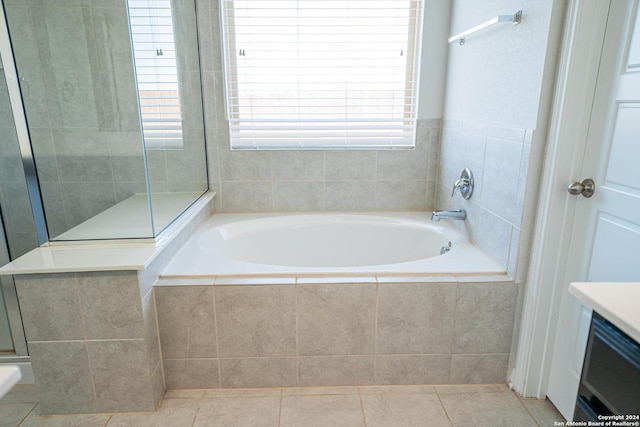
298	196
484	317
478	368
350	195
336	319
50	307
64	380
186	321
335	371
258	372
256	320
111	305
191	373
420	369
409	195
121	376
415	318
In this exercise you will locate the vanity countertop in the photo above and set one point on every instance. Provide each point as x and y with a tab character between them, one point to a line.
618	302
9	376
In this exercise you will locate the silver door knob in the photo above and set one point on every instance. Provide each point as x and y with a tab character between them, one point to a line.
586	188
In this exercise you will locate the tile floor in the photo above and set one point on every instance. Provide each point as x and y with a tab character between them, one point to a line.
395	406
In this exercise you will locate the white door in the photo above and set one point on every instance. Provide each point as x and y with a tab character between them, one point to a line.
605	240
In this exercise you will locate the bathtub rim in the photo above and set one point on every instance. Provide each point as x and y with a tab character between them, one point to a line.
493	272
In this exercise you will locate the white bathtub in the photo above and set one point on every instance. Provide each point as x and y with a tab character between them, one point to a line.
331	243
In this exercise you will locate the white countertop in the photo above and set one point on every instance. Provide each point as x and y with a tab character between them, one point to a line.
9	376
618	302
100	255
83	257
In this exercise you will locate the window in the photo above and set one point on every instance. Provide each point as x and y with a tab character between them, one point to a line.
321	73
154	51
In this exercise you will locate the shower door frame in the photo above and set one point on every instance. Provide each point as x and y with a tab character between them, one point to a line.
22	130
7	284
12	306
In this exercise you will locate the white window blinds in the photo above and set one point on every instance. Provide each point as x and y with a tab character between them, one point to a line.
321	73
154	50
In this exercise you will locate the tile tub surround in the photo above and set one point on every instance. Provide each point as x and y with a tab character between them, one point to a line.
325	180
302	332
93	342
500	160
92	335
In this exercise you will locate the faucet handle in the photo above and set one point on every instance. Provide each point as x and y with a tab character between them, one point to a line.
464	184
461	185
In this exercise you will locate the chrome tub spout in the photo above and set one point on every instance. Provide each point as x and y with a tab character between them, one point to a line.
458	214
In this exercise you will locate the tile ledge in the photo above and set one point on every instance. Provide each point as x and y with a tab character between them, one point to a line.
102	255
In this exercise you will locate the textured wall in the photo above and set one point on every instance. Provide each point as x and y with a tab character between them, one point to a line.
496	77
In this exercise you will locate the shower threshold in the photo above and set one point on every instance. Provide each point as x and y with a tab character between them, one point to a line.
131	218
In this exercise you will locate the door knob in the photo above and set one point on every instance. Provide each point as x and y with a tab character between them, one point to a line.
586	188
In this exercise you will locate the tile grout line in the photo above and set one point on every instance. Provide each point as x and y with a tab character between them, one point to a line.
375	335
85	341
215	327
296	330
280	408
161	361
29	413
364	417
195	417
453	331
443	406
535	420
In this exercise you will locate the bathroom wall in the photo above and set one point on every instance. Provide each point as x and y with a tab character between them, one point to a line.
265	181
499	87
79	91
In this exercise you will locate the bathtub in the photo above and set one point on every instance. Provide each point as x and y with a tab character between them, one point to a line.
327	244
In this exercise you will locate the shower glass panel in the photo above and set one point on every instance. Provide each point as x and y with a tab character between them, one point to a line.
78	79
165	47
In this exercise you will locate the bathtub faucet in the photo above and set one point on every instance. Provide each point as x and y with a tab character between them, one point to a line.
459	214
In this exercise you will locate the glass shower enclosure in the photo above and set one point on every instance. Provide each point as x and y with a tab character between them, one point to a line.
101	121
112	96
